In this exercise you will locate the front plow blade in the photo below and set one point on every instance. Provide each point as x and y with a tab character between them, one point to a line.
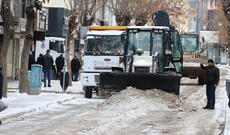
144	81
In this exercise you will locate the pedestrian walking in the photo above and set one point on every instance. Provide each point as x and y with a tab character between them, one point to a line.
47	67
75	67
60	61
40	59
212	80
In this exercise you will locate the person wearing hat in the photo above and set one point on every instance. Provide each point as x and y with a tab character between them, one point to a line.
212	80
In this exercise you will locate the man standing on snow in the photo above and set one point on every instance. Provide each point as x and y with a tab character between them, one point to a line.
60	61
75	67
212	80
47	67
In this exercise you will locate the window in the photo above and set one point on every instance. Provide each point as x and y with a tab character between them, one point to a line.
189	43
140	40
105	44
157	43
57	46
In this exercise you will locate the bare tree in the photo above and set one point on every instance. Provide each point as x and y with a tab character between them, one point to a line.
82	13
8	22
226	10
141	11
30	16
222	24
122	11
75	7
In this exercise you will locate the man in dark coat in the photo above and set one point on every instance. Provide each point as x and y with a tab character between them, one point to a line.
47	67
40	59
75	67
212	80
60	61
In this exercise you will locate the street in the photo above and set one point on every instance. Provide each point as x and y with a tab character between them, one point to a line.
132	112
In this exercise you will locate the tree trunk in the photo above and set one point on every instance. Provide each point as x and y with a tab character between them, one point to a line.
3	62
24	86
68	58
7	18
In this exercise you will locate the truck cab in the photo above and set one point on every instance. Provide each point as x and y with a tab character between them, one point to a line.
190	44
103	50
151	49
194	54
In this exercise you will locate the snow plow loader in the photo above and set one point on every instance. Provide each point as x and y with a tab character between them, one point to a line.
152	59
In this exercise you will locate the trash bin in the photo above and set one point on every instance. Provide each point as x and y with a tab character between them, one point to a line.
1	83
228	90
35	78
66	80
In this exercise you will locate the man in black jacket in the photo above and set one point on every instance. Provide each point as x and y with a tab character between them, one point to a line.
40	59
47	67
60	61
75	67
212	80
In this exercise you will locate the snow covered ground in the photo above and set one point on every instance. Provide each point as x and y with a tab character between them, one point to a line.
132	112
22	104
56	87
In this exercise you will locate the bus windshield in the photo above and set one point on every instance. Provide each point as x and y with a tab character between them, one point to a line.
104	45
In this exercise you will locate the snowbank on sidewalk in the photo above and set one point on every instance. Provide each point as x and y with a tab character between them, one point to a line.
56	87
19	104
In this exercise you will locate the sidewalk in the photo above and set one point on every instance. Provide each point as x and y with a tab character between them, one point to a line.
23	104
56	87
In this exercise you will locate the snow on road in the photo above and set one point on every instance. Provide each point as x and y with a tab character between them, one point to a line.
131	112
18	103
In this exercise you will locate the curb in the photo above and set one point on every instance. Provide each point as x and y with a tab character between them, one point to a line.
33	110
46	91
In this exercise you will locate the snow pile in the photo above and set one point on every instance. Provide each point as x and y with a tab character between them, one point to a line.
131	104
136	100
133	99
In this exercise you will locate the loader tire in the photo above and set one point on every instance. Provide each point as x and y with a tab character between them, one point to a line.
88	92
201	81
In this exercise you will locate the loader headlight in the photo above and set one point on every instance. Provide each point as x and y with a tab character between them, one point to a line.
168	52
